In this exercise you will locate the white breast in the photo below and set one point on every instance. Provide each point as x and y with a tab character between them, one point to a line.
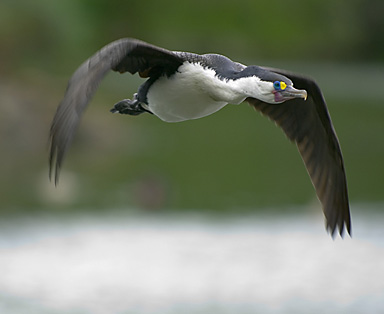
192	92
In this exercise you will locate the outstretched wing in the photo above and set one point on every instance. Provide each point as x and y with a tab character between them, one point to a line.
309	125
124	55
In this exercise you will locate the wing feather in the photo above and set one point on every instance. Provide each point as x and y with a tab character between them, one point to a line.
124	55
308	124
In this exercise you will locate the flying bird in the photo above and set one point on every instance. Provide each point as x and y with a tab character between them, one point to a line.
183	86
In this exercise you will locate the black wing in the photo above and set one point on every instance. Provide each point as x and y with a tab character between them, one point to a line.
123	55
309	125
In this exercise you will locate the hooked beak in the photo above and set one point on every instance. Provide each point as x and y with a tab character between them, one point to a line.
290	93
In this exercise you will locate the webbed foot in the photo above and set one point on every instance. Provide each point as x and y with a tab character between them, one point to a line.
128	106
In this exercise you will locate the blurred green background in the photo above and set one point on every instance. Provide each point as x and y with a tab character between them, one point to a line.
230	161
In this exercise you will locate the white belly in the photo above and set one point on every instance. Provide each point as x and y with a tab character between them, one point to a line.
191	93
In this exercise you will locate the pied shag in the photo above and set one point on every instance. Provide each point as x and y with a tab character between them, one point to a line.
184	86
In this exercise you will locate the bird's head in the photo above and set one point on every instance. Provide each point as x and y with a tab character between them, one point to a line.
283	91
274	88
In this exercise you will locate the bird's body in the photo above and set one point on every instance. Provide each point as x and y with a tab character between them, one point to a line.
200	86
166	100
183	86
193	92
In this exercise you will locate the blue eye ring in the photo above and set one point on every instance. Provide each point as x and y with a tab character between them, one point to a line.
277	85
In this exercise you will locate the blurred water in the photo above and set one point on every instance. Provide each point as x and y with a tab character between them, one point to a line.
119	263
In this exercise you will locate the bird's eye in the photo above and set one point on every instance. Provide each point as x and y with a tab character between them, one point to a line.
279	85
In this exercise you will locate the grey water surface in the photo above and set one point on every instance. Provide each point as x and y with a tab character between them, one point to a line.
154	263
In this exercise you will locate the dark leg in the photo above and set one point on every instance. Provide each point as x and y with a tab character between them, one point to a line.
128	106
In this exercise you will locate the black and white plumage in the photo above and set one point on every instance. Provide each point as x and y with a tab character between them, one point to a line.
183	86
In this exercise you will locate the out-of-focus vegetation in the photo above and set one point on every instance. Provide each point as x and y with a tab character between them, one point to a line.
53	35
233	159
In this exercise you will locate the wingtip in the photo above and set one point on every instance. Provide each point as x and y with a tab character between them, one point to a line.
343	229
54	166
53	177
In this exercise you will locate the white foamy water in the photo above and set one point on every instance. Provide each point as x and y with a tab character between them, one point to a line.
187	264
